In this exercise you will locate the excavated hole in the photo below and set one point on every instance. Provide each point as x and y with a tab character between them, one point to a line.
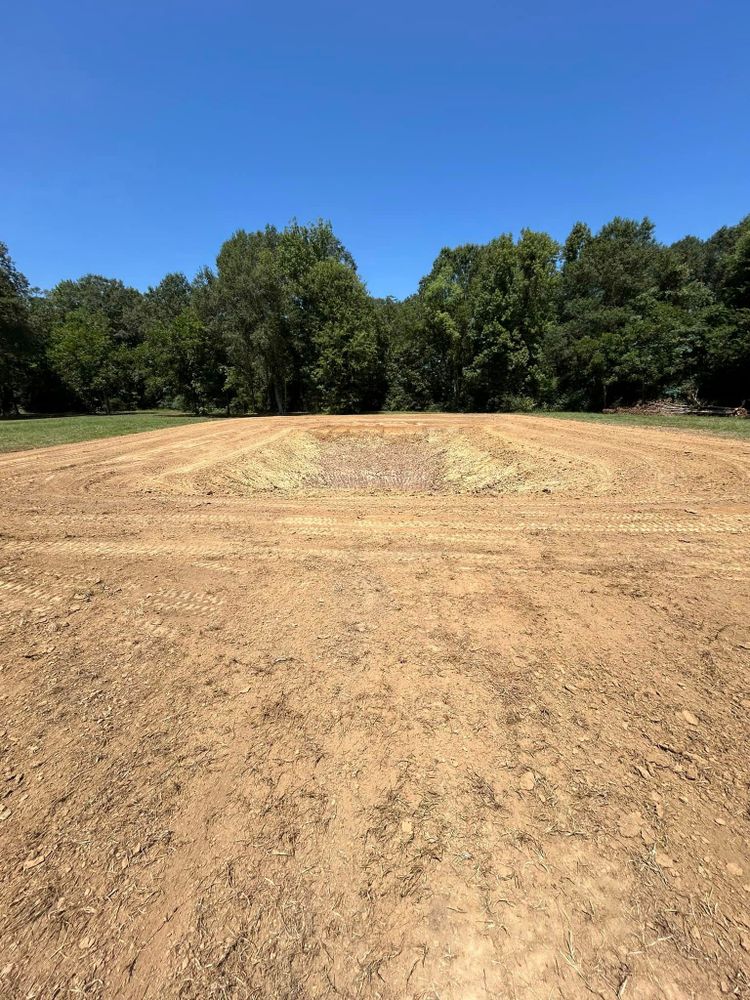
396	460
403	462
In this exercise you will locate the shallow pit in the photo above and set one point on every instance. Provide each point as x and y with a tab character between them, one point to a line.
392	460
381	462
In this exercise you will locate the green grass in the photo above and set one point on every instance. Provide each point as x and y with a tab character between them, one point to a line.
40	432
734	427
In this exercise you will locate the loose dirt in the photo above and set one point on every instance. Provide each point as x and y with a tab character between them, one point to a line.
422	707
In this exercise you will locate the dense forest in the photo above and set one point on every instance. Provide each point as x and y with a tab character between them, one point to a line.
284	323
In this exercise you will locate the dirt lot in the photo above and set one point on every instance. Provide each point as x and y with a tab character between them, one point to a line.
425	707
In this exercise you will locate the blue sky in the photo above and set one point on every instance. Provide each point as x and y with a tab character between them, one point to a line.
136	137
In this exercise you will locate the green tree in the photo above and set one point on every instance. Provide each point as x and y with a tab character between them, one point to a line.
120	305
347	371
477	328
513	302
17	341
735	283
185	359
249	305
446	294
620	306
166	301
414	364
259	299
84	356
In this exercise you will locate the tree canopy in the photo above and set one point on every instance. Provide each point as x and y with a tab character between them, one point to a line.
283	322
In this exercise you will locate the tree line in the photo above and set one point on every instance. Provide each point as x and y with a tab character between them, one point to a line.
284	323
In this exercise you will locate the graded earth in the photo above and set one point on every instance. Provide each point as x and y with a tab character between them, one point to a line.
418	706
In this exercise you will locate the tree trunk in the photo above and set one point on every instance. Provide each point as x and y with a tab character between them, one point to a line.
279	398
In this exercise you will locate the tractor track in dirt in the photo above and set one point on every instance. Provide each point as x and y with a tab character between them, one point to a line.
417	706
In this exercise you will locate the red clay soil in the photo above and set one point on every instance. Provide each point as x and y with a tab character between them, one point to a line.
400	707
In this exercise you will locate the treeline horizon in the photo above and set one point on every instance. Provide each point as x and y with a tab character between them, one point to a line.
283	323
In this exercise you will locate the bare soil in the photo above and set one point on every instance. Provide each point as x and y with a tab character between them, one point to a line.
420	706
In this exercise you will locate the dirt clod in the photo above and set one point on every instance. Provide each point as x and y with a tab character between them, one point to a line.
630	824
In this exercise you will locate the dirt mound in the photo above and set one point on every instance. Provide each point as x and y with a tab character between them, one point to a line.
399	707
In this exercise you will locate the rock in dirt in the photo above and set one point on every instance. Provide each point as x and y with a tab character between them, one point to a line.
664	860
735	869
630	824
689	717
647	835
30	863
527	781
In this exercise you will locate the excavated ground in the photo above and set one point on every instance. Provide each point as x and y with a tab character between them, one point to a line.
411	706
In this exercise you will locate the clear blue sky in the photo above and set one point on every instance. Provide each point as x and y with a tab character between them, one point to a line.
135	137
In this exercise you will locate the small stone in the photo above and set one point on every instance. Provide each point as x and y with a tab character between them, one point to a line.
407	830
527	781
691	772
647	835
630	824
664	860
30	863
689	718
658	807
734	869
745	941
85	943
